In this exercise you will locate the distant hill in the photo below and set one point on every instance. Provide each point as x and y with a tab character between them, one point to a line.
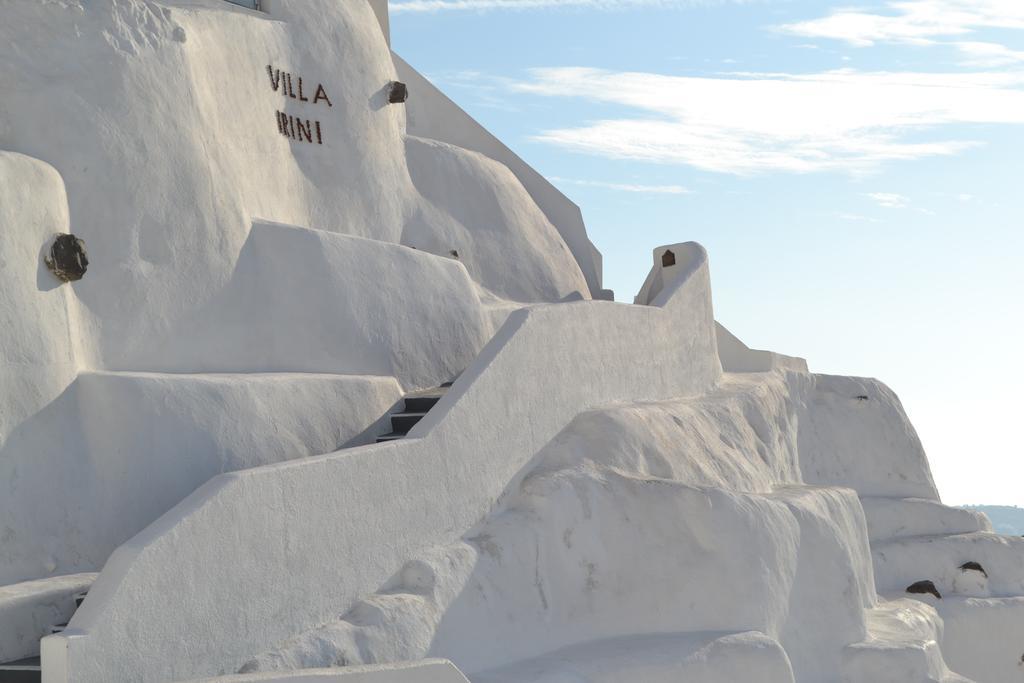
1005	519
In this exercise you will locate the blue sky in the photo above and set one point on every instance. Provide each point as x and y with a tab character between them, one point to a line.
856	173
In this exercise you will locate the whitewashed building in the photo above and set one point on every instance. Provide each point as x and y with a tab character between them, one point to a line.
327	387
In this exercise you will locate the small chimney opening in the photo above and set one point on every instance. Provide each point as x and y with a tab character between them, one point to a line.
668	259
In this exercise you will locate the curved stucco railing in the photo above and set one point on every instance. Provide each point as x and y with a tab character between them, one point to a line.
254	557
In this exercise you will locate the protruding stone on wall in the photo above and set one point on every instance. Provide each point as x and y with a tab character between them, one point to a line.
398	93
924	587
68	259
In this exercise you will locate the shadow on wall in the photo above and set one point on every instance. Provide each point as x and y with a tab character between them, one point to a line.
41	459
117	450
302	300
46	281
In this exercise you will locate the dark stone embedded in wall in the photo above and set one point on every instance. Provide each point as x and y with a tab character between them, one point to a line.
398	93
68	259
973	567
924	587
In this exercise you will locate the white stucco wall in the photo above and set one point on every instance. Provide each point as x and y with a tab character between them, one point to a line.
657	658
152	136
471	190
120	449
41	342
655	518
160	115
321	532
661	275
636	518
431	114
982	637
867	444
302	300
734	354
738	357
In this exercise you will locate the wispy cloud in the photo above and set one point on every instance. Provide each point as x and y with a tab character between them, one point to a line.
856	218
749	123
398	6
626	187
889	200
988	55
947	23
912	21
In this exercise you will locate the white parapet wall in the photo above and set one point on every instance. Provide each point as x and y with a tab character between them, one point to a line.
321	532
135	444
738	357
734	354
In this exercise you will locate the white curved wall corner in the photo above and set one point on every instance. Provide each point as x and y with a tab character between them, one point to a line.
431	114
320	301
39	354
426	671
320	533
855	433
738	357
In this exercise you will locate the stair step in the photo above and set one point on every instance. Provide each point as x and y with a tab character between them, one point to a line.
403	422
58	628
417	405
21	671
422	404
80	598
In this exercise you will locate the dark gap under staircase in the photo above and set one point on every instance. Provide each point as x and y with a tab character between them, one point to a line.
415	408
21	671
